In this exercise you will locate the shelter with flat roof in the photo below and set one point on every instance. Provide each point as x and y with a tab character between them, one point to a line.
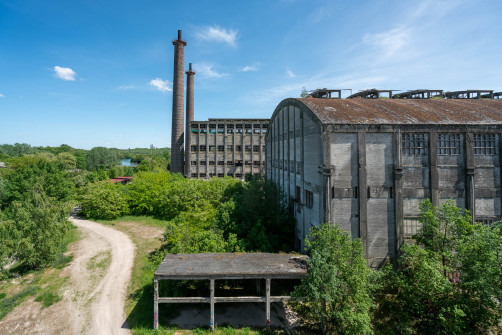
222	266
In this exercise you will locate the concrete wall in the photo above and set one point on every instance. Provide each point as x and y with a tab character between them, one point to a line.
363	178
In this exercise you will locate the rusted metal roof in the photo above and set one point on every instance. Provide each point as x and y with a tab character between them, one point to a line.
404	111
231	266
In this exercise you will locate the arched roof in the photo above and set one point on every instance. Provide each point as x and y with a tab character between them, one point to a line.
401	111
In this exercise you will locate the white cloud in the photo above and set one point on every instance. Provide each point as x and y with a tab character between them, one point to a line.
290	73
207	71
248	68
2	96
161	85
389	42
126	87
64	73
218	34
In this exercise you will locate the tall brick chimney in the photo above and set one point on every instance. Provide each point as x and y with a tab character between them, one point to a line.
189	117
177	165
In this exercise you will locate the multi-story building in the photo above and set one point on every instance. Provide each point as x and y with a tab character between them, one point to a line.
227	147
366	164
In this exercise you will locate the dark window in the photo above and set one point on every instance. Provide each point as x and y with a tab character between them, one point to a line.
194	175
238	175
248	148
212	126
230	147
211	148
256	163
193	163
193	148
256	148
247	126
485	144
221	162
449	144
486	221
238	148
221	148
221	126
238	163
247	163
211	162
230	163
203	175
202	148
221	175
309	199
212	174
414	144
230	130
202	162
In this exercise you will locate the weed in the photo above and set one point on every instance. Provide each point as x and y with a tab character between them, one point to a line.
8	304
48	298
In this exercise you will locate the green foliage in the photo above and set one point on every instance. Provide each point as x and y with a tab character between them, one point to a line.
450	282
37	227
101	157
9	303
103	200
48	298
68	160
49	174
256	213
336	291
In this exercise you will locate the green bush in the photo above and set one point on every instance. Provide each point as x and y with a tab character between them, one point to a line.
103	200
336	293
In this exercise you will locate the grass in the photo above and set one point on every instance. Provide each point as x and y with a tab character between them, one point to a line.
44	284
139	303
144	220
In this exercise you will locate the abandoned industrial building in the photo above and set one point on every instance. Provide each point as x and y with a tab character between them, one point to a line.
366	164
213	148
227	147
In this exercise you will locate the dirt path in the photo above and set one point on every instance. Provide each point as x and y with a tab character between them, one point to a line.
94	291
107	309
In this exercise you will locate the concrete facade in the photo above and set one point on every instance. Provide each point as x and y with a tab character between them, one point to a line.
227	147
366	164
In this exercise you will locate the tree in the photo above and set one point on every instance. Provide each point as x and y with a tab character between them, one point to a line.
101	157
304	93
103	200
336	290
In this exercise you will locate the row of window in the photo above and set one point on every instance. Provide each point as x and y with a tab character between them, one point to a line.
236	163
204	175
412	225
221	148
229	131
230	125
293	167
416	144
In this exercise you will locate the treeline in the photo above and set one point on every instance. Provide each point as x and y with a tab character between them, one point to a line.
37	192
449	282
218	215
98	158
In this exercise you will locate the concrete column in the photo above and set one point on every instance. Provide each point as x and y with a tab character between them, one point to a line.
398	199
211	302
363	194
189	117
469	174
155	304
177	157
433	164
268	302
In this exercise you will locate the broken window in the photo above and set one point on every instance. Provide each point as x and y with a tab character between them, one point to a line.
449	144
414	144
485	144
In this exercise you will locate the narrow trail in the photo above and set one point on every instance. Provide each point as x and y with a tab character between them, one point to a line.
107	309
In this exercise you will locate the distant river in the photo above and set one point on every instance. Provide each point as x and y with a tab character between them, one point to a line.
127	162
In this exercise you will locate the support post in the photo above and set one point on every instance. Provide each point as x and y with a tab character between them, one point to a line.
363	194
211	301
268	302
155	304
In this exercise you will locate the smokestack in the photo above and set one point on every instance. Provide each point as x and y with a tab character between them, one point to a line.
178	122
189	117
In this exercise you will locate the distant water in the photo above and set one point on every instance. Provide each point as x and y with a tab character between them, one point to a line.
127	162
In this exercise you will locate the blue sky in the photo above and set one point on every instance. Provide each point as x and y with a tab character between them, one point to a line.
99	73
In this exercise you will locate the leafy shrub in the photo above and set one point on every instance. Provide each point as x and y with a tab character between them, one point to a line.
103	200
336	291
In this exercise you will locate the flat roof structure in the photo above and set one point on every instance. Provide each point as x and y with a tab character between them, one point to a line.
218	266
